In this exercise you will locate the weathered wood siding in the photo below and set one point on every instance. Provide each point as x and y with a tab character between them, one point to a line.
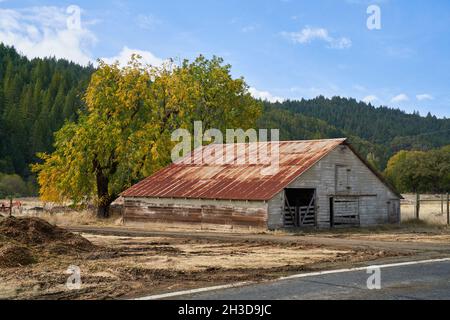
374	197
203	213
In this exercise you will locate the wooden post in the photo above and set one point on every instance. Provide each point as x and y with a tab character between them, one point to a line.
10	206
332	212
442	203
448	209
417	206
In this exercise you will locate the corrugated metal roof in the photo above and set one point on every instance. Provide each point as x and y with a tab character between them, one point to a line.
234	181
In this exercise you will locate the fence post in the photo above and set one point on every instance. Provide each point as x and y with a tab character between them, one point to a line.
417	206
442	203
448	209
10	206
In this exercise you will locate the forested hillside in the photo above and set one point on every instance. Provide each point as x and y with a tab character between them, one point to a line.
296	126
35	98
390	128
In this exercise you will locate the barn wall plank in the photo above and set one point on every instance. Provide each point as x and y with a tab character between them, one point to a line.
248	214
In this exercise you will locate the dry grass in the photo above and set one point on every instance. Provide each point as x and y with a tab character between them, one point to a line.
62	213
432	210
82	218
429	212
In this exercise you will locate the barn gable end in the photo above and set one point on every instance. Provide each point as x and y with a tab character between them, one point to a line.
375	201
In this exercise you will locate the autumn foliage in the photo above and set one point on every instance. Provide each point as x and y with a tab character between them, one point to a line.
124	133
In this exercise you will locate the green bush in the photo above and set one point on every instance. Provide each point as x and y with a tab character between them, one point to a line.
13	185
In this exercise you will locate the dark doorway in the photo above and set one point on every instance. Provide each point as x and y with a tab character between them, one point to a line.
300	207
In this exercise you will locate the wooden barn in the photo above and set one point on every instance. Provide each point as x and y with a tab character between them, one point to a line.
319	183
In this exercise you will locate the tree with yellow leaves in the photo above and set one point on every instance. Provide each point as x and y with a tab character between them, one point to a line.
124	133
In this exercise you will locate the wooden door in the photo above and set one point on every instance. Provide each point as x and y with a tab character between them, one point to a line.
394	211
345	211
342	179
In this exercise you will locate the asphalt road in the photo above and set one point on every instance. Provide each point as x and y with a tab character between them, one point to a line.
420	281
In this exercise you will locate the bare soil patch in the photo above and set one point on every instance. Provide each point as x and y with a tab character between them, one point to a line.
24	241
125	266
38	232
15	256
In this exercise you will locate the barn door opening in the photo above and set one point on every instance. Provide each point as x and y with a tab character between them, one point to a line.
300	207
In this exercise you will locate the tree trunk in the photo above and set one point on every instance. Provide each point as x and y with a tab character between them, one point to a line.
104	198
103	211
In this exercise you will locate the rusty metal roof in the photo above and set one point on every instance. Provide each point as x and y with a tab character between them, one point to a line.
233	181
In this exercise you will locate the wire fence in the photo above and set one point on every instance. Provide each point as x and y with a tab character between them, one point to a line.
432	208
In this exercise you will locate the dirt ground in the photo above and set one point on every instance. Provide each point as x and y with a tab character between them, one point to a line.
429	236
125	267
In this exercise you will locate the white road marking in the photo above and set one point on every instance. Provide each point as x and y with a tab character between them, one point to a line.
295	276
186	292
399	264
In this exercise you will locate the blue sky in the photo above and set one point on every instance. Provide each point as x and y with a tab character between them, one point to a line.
283	48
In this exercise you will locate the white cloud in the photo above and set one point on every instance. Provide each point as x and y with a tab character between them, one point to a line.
60	32
424	96
370	99
47	31
264	95
328	90
341	43
148	22
400	98
308	34
124	57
